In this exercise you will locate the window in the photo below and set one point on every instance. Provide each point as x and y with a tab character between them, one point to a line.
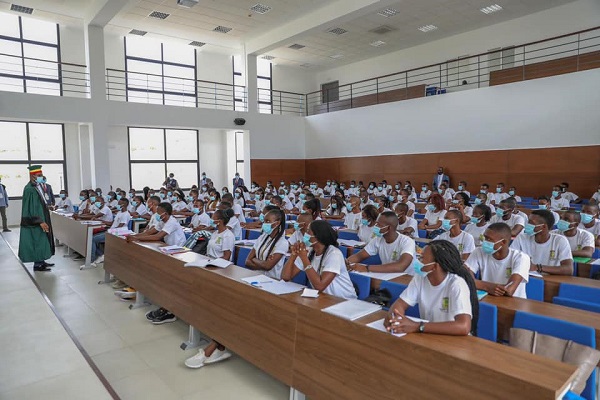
23	144
29	56
239	93
154	153
159	73
239	153
265	86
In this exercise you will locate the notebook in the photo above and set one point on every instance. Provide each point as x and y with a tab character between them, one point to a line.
351	243
536	274
380	327
384	276
481	294
173	249
207	262
272	285
352	309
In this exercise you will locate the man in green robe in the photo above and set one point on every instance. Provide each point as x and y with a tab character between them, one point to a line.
36	243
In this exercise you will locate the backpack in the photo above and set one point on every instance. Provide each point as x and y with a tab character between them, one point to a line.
382	297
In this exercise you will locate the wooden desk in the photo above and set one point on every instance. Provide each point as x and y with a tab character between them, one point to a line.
74	234
137	223
552	284
322	355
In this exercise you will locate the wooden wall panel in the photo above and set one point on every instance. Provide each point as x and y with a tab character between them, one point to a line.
320	170
275	170
589	60
544	69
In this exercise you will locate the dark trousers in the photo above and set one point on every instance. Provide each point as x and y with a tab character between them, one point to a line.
3	214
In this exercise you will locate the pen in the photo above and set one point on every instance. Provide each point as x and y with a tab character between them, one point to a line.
508	284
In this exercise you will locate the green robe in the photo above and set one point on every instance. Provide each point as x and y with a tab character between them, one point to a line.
34	244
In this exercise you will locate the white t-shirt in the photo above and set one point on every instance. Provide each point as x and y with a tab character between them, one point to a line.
596	196
499	271
555	250
141	209
261	248
447	195
122	217
570	196
500	196
515	219
334	261
296	237
65	204
220	243
259	205
177	206
477	232
238	210
523	215
424	195
234	224
433	217
352	221
410	223
581	239
174	231
200	219
365	233
441	303
465	192
594	229
558	204
107	215
238	201
337	211
391	252
411	205
464	242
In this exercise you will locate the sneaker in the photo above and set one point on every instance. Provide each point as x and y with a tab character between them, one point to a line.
196	361
100	259
164	318
217	355
42	268
150	315
127	293
78	257
127	299
6	230
119	284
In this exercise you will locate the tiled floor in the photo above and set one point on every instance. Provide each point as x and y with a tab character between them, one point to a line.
140	360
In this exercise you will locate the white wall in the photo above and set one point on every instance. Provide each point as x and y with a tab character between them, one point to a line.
293	79
579	15
550	112
214	67
213	155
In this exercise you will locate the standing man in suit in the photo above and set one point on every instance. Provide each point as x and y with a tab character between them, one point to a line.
3	206
237	181
439	178
204	180
48	193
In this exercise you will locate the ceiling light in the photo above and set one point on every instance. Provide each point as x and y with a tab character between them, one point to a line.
388	12
382	30
222	29
336	56
428	28
337	31
491	9
260	8
187	3
137	32
21	9
297	46
267	57
159	15
197	44
377	43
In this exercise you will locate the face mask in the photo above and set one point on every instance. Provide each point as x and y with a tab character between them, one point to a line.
302	196
478	201
296	226
530	229
397	187
349	207
237	195
157	217
93	199
424	188
204	189
134	203
352	186
380	188
196	210
328	183
257	197
488	247
446	224
304	212
119	197
61	195
365	222
313	186
306	240
168	194
189	198
301	183
377	231
334	206
203	176
483	191
237	176
212	198
511	193
475	220
498	190
500	212
81	198
261	217
225	191
371	187
555	193
460	187
418	267
267	228
213	223
430	207
267	202
563	225
586	218
161	195
543	207
455	201
98	204
391	198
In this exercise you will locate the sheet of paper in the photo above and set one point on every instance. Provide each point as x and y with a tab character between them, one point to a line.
536	274
352	309
384	276
351	243
219	262
596	262
281	287
481	294
200	262
246	242
313	293
258	280
121	231
380	327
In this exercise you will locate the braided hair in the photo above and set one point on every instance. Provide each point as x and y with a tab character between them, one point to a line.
326	235
280	232
448	258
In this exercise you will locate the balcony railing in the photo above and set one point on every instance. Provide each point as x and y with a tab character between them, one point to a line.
281	102
169	90
39	76
568	53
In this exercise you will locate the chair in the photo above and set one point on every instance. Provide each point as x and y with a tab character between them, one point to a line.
242	255
253	234
336	222
301	279
373	260
581	293
422	233
244	234
595	269
581	334
363	283
596	253
396	290
487	326
345	235
582	305
535	289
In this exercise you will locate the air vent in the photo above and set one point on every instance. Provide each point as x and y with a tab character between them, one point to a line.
266	57
388	12
21	9
305	65
377	43
222	29
159	15
428	28
260	8
382	30
337	31
187	3
197	44
336	56
491	9
297	46
137	32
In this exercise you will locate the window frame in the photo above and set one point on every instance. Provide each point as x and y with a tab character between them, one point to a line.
240	74
270	79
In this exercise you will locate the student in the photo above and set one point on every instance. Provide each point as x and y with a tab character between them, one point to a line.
445	292
380	190
84	204
505	213
269	250
504	271
464	242
443	191
353	190
549	252
354	215
238	197
558	202
179	204
300	227
312	207
451	192
462	204
483	198
404	197
234	222
485	189
369	218
478	223
425	192
64	203
364	198
336	209
302	198
253	187
138	207
570	196
382	203
500	194
512	192
324	263
287	204
316	190
237	209
120	220
462	188
396	251
580	240
434	215
371	188
112	201
201	220
151	207
259	198
214	198
282	185
101	212
590	221
406	225
595	199
544	204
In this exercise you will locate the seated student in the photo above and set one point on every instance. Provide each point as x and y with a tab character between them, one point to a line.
253	187
336	209
120	220
245	193
84	203
445	193
364	198
99	211
316	190
558	202
138	207
462	188
287	204
425	192
398	186
544	204
111	201
261	218
268	253
300	227
281	185
396	251
462	204
549	252
505	213
382	204
369	218
404	197
269	188
482	198
412	192
190	200
371	188
353	190
64	203
581	241
479	222
312	207
500	194
433	217
380	190
406	225
512	192
319	256
464	242
451	191
237	209
201	220
151	206
393	198
179	204
258	201
224	190
234	222
214	198
354	215
595	199
445	292
203	194
504	271
485	189
303	196
590	221
572	197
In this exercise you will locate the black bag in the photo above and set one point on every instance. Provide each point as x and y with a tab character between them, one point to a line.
382	297
596	276
201	246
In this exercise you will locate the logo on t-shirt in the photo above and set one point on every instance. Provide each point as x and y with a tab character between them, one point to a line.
508	272
395	255
219	240
553	254
445	304
460	247
578	247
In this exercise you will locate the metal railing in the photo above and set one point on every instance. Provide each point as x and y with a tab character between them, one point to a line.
39	76
169	90
579	51
281	102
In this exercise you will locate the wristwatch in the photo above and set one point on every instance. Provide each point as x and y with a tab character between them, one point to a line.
367	268
422	327
539	268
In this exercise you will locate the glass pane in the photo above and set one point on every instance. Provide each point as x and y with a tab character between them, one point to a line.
146	144
44	69
264	95
239	145
179	79
180	54
46	141
238	64
264	108
11	63
147	174
11	85
185	173
144	97
9	25
54	173
148	76
14	177
182	144
38	87
180	100
143	47
40	31
13	141
263	83
239	80
263	68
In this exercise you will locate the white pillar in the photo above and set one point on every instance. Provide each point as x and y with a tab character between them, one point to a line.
251	83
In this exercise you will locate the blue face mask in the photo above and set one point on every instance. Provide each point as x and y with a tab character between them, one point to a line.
478	201
483	191
267	202
380	188
511	193
377	231
391	198
134	203
267	228
430	207
93	199
500	212
488	247
563	225
455	201
334	205
61	195
475	220
349	207
498	190
530	229
365	222
555	193
162	195
296	226
257	197
196	210
418	267
446	224
98	204
169	193
586	218
119	197
306	240
543	206
460	187
157	217
302	196
424	188
39	179
213	223
212	198
261	217
237	195
81	198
